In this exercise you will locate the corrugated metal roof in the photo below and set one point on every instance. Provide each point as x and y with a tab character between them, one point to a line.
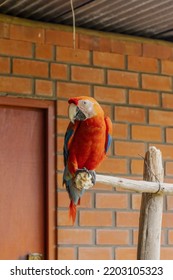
147	18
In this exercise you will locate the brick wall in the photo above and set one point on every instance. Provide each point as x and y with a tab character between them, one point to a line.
132	80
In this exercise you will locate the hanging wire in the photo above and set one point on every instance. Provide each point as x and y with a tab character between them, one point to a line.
74	24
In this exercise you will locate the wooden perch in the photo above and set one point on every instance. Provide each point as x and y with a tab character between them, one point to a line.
150	221
152	189
139	186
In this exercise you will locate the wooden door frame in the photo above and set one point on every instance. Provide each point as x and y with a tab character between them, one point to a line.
49	107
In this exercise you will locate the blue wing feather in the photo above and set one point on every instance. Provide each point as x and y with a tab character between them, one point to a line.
68	178
108	133
68	136
109	140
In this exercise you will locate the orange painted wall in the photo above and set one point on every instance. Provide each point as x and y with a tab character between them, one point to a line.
132	79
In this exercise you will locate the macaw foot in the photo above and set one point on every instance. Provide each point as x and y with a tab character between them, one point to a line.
84	178
91	173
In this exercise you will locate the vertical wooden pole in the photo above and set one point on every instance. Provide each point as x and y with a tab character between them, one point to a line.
151	209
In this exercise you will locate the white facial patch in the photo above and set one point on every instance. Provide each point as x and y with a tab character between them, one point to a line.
87	107
72	112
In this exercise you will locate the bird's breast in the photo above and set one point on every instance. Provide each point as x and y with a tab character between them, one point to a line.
89	146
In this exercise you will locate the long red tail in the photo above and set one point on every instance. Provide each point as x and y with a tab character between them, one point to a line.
72	210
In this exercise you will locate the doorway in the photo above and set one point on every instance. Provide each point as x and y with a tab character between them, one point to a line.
27	197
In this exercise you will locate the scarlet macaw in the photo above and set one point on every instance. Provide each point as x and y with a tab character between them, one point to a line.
87	140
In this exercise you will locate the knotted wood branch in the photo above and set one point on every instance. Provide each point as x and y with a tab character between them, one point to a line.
151	209
139	186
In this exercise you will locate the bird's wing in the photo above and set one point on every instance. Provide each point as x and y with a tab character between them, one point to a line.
108	133
70	132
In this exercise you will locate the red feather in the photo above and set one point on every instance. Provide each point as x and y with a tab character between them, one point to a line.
72	211
87	145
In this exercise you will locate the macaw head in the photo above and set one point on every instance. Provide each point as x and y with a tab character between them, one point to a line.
83	107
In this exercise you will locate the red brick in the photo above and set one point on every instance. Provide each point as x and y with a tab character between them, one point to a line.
131	149
169	203
111	200
127	219
43	87
60	163
168	180
59	180
169	168
62	125
120	130
86	42
90	42
95	253
142	64
86	200
72	55
75	236
87	74
145	98
104	44
68	90
60	38
167	151
157	51
95	218
44	52
15	48
166	253
135	237
110	94
60	144
156	82
146	133
136	201
64	201
110	60
113	166
4	65
4	30
15	85
167	100
112	237
62	108
59	71
169	135
27	33
137	166
30	68
126	253
66	253
107	110
167	221
63	218
126	47
160	117
130	114
170	237
167	67
122	78
164	237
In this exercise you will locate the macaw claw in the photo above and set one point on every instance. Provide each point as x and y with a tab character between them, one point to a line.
91	173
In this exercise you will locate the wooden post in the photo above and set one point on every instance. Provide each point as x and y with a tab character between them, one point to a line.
151	209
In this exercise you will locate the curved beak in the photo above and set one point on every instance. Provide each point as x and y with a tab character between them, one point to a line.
75	113
72	111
